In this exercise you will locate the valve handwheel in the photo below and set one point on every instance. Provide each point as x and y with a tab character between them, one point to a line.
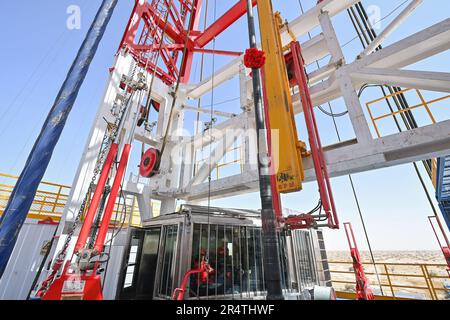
150	163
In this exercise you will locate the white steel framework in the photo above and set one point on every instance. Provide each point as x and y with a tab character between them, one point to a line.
339	79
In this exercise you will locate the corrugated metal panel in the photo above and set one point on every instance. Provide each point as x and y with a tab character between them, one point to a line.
25	260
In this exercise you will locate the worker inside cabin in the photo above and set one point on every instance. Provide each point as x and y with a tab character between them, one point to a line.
235	257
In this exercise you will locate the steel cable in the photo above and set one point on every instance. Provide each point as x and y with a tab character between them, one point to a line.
351	180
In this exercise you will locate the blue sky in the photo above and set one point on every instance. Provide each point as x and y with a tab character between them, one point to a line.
38	50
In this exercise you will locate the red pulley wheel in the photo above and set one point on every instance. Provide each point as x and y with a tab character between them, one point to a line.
150	163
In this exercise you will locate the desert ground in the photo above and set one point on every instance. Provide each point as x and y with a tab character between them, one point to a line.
407	274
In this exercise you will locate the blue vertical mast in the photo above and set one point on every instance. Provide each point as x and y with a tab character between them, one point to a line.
25	190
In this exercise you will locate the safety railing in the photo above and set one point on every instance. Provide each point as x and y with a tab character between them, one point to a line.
398	280
128	214
51	198
48	203
224	164
426	104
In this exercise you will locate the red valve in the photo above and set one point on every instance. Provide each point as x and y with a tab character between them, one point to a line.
254	58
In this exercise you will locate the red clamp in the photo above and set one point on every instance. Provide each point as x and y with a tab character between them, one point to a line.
254	58
300	222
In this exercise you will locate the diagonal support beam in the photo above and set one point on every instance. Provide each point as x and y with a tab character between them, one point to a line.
415	48
423	80
392	27
221	24
216	156
348	158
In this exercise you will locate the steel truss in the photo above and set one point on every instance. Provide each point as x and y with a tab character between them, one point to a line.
160	27
338	79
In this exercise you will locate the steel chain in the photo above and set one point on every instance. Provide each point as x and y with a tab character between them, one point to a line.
106	145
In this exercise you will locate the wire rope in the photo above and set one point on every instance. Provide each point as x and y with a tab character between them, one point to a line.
199	106
177	87
352	183
211	141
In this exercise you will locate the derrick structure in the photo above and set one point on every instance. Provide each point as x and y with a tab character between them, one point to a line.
338	79
159	45
160	27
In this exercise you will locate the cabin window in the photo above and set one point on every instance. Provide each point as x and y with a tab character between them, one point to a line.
304	258
235	254
169	242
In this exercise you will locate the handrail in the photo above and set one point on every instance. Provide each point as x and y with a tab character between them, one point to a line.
395	280
219	166
50	204
424	103
5	175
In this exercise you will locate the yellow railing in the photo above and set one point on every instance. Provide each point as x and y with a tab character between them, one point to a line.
398	280
222	165
423	103
51	198
48	203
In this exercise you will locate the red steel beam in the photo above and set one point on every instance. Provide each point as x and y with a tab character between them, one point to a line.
145	11
221	24
219	52
179	47
131	28
186	64
197	39
172	32
174	14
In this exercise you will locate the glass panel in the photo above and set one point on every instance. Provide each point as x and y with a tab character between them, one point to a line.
235	254
196	254
131	263
285	263
129	277
169	242
228	261
251	259
244	260
305	263
259	260
237	267
148	263
212	286
221	261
